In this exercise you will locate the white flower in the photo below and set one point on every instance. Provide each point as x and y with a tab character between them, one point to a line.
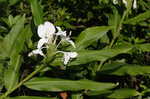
41	42
68	56
64	36
46	32
134	4
125	2
35	52
60	32
48	35
115	1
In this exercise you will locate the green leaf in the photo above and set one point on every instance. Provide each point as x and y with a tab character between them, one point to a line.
76	96
123	93
90	35
141	17
87	56
11	75
14	43
94	93
13	2
1	1
11	41
30	97
53	84
36	12
1	75
143	47
114	20
12	46
121	69
12	20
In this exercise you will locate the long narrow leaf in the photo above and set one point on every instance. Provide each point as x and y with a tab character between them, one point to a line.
87	56
122	69
14	41
91	35
124	93
36	12
139	18
30	97
53	84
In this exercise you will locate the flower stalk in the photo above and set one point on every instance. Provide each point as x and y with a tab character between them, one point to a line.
22	82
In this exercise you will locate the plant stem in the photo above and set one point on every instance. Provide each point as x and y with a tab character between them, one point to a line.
113	40
22	82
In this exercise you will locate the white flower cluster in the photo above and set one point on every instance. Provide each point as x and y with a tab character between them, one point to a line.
48	35
126	3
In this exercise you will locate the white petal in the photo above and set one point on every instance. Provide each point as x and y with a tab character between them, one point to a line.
50	28
115	1
134	4
58	28
73	54
68	56
72	43
35	52
60	32
125	2
46	29
41	42
41	31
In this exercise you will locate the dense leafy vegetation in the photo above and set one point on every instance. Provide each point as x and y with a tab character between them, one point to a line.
107	55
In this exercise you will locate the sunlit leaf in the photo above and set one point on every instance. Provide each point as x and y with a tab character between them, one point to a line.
10	42
76	96
11	75
36	11
13	2
87	56
139	18
114	20
143	47
122	69
1	1
90	35
14	44
1	75
30	97
53	84
124	93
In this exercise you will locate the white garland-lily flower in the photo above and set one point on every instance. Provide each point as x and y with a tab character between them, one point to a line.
134	4
68	56
47	32
64	36
36	51
126	3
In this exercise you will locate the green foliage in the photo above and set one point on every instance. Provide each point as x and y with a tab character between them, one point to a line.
30	97
121	69
123	93
98	55
13	2
52	84
90	35
112	46
138	18
36	12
